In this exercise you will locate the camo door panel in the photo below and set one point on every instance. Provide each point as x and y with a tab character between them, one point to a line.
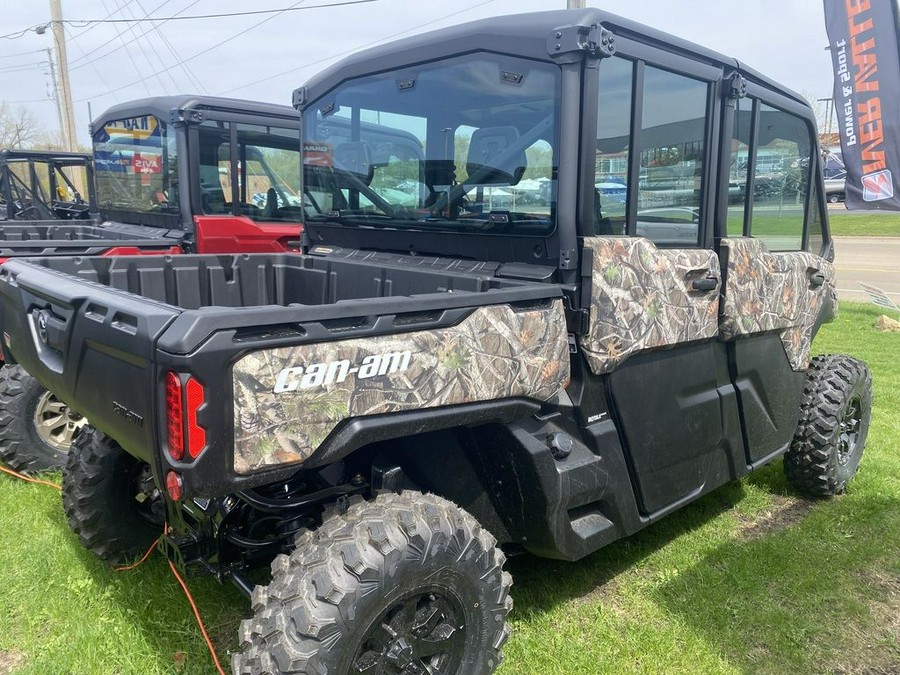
642	297
287	400
766	292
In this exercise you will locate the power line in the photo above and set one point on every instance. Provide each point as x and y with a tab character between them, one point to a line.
141	79
357	48
115	49
81	23
142	47
192	78
31	51
93	67
22	67
90	28
208	49
150	45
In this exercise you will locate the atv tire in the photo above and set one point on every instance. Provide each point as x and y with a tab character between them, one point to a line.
834	422
109	499
36	428
406	583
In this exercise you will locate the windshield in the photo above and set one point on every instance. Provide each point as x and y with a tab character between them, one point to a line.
135	164
467	144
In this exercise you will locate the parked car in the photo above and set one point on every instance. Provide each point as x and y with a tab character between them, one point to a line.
834	189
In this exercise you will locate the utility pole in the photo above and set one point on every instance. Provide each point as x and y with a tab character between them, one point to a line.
575	4
64	97
54	91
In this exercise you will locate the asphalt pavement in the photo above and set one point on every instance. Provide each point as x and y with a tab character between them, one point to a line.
873	260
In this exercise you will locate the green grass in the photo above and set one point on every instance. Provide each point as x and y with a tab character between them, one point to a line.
749	579
854	224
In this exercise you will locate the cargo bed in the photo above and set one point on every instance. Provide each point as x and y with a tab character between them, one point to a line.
54	237
101	333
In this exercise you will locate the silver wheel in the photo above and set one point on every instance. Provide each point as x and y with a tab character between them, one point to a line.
56	424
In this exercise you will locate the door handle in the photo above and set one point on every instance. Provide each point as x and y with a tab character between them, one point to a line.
705	285
817	279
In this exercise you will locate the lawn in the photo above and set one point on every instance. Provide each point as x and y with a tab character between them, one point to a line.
750	579
854	224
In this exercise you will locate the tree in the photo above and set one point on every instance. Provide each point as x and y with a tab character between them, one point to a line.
19	128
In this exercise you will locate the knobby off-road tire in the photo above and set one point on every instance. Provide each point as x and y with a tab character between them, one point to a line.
109	498
389	587
834	422
36	428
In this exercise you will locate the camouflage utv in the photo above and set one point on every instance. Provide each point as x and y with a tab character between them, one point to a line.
482	347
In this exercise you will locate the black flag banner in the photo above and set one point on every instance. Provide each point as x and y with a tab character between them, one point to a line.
864	52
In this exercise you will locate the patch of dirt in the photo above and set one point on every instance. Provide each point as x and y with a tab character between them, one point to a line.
877	650
784	512
11	661
887	324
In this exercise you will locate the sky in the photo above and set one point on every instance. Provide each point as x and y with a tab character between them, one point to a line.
112	63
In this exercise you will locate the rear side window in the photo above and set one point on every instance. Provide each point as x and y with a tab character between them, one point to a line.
649	162
257	177
673	148
612	150
781	179
738	178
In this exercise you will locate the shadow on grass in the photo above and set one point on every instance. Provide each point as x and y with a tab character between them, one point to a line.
541	584
803	593
162	615
805	598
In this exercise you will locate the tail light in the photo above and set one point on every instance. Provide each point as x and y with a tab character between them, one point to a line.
174	416
196	434
174	486
183	403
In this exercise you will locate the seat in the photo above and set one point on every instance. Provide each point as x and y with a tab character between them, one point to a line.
270	211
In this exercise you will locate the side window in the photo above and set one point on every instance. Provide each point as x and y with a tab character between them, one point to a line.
815	239
738	178
781	179
672	154
612	151
268	172
215	167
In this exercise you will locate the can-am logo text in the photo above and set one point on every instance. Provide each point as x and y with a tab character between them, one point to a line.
335	372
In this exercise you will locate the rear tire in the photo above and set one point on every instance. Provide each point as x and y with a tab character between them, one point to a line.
834	423
36	428
406	583
109	499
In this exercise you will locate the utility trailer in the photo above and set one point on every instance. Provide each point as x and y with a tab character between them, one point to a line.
477	352
173	174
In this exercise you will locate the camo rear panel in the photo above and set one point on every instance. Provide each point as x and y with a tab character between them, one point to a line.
641	298
767	292
281	414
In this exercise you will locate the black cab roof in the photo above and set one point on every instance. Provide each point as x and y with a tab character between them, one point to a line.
162	107
57	156
530	35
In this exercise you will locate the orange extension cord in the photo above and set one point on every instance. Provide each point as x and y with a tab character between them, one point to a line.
29	479
125	568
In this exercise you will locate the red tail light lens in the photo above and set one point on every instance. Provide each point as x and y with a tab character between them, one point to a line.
174	486
174	416
196	397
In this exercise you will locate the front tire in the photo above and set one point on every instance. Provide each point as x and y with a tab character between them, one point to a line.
36	428
405	584
834	422
109	499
